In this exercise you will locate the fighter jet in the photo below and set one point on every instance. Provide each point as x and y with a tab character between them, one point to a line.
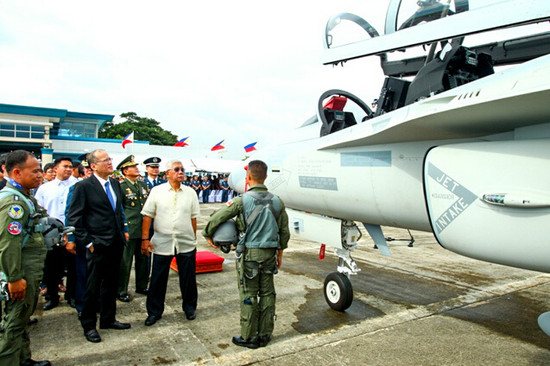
458	142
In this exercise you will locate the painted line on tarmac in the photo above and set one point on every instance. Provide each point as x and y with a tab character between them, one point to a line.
301	343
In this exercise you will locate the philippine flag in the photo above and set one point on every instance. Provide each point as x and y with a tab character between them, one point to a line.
218	146
250	147
182	142
128	140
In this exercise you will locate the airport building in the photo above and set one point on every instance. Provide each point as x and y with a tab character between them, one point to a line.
51	132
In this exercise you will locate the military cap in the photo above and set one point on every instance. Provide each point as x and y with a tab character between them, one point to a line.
128	161
152	162
84	163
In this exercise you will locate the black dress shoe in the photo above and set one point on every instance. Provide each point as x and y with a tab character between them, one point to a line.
152	319
92	336
30	362
191	315
143	291
249	343
50	304
264	340
124	298
32	321
116	325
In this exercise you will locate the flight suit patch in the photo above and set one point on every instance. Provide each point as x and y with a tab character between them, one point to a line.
15	228
15	211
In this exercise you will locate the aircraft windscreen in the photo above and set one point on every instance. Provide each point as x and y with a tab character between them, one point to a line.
313	119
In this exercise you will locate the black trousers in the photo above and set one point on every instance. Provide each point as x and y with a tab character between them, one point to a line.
80	282
205	195
57	260
101	283
159	282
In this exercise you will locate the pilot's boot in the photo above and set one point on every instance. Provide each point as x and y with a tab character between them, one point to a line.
249	343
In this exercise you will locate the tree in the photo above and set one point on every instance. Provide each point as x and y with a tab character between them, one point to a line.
145	129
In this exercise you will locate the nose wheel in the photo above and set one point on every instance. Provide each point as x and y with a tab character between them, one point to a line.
338	291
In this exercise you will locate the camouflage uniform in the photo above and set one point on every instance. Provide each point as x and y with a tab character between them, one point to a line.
256	288
17	263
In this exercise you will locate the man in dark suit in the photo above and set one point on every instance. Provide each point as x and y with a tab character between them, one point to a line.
3	173
96	212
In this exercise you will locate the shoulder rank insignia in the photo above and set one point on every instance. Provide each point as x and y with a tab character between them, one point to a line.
15	228
15	211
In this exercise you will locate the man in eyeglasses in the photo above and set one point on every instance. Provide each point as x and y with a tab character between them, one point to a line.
175	208
96	212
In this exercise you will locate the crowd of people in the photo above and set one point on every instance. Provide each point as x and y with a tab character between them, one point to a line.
118	222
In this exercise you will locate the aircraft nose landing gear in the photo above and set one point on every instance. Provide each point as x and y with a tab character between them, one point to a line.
338	289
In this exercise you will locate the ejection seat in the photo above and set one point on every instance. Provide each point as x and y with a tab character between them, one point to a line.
336	118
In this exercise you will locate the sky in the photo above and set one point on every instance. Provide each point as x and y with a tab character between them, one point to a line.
243	71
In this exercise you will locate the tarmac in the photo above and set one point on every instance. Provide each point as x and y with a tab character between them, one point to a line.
423	305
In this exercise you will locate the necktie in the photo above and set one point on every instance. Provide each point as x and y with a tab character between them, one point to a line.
109	195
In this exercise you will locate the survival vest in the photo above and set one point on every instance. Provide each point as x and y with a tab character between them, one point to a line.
31	226
261	210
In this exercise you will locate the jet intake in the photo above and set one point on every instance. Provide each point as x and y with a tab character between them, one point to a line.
491	200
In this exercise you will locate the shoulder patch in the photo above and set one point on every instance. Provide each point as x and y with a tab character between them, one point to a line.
229	203
15	228
15	211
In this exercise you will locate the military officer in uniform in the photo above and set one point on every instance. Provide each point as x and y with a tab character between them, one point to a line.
22	255
259	253
152	165
152	178
206	188
225	189
196	185
134	195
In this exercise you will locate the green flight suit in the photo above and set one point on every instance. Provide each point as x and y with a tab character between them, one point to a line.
17	263
256	287
133	199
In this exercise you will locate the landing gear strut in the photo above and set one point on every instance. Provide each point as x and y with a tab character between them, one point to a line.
338	289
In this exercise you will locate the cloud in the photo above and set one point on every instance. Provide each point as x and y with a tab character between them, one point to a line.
242	71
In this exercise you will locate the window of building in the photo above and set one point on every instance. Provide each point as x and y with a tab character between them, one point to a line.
21	131
77	129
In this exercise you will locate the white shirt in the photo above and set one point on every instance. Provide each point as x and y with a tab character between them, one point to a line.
172	211
53	196
103	181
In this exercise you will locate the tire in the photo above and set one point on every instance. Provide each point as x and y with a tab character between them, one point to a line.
338	291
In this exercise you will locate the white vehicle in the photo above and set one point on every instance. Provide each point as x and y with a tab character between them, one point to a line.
455	145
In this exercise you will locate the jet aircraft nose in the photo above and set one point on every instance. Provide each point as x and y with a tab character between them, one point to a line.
237	179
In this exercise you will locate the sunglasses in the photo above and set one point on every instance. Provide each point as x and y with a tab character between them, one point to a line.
178	169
